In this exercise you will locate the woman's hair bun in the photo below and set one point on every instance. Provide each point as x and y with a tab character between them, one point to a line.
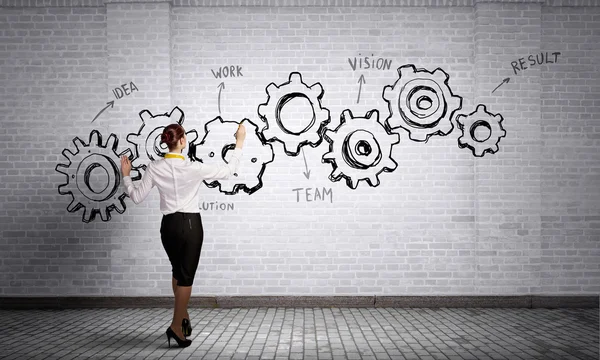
171	135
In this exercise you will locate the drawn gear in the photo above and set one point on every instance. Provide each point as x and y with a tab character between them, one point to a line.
94	177
360	149
469	123
421	103
217	142
147	141
270	113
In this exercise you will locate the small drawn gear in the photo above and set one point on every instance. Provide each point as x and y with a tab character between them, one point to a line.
147	141
94	177
279	96
360	148
217	142
469	123
421	102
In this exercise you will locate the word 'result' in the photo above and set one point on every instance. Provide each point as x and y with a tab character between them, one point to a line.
537	59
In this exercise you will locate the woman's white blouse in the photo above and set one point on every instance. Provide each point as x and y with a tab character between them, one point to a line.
178	181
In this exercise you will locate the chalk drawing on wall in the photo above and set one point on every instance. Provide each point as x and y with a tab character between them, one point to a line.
147	143
94	177
218	142
360	148
304	125
478	121
421	102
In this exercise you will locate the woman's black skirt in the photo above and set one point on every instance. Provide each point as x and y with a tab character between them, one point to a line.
182	235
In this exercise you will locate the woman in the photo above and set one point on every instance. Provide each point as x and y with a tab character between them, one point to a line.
178	182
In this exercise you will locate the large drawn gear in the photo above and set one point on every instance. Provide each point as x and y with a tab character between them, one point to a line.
217	142
270	113
421	102
94	177
469	123
147	142
360	148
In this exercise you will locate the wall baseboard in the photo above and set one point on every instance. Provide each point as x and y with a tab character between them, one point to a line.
442	301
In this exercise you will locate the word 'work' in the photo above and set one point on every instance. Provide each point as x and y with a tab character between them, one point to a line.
227	71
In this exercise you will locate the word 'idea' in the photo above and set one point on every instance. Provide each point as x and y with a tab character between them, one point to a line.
124	90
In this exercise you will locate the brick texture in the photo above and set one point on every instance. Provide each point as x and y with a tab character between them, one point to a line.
523	220
53	68
139	40
571	161
507	185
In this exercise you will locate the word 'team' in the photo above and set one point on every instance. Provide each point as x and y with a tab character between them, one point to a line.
318	195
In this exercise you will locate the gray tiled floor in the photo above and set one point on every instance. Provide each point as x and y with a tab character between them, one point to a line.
309	333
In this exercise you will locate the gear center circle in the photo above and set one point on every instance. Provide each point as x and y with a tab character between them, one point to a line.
421	105
89	189
295	120
225	150
424	102
480	131
154	142
361	150
95	171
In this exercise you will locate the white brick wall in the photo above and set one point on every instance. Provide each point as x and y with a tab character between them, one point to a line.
570	133
516	222
53	73
507	185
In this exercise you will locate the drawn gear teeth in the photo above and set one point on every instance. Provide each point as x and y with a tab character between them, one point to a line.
360	148
278	97
408	101
102	193
469	123
147	143
218	140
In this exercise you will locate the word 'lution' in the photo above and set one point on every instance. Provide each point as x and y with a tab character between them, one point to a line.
215	205
318	195
228	71
537	59
124	90
369	63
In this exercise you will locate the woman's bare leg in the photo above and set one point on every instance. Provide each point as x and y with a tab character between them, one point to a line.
175	286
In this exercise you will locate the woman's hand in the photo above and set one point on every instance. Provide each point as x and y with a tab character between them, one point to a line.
240	135
125	165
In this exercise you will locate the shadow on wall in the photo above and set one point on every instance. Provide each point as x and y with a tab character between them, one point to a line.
420	102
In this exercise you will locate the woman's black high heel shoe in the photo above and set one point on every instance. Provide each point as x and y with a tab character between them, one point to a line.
181	343
186	327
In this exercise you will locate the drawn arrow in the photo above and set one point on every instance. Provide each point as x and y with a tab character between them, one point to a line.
110	103
221	87
307	173
505	81
361	80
